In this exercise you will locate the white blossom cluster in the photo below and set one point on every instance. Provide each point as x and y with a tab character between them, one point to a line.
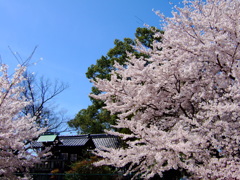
182	103
16	129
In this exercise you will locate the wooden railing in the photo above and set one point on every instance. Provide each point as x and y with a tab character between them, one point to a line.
49	165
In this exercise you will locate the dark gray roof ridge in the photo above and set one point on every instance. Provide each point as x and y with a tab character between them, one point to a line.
86	135
99	140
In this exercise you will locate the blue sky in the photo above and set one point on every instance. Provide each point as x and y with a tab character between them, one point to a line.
71	35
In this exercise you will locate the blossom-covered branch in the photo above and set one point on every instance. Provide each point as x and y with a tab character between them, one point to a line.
16	129
182	107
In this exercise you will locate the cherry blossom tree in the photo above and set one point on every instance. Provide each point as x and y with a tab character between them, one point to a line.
181	104
16	129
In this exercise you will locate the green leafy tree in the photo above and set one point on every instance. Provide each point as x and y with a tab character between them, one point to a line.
94	119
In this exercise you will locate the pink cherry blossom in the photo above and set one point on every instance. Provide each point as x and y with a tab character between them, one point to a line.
16	129
183	106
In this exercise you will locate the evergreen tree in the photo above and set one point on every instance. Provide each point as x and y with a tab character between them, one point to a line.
94	119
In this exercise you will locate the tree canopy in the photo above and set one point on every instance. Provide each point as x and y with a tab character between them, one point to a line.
94	119
17	130
182	107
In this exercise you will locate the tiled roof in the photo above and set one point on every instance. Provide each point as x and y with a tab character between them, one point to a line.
73	141
99	140
105	140
36	144
110	142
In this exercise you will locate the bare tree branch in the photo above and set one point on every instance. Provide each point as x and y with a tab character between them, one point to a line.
42	93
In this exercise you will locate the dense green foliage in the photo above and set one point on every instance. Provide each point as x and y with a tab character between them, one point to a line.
94	119
86	170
